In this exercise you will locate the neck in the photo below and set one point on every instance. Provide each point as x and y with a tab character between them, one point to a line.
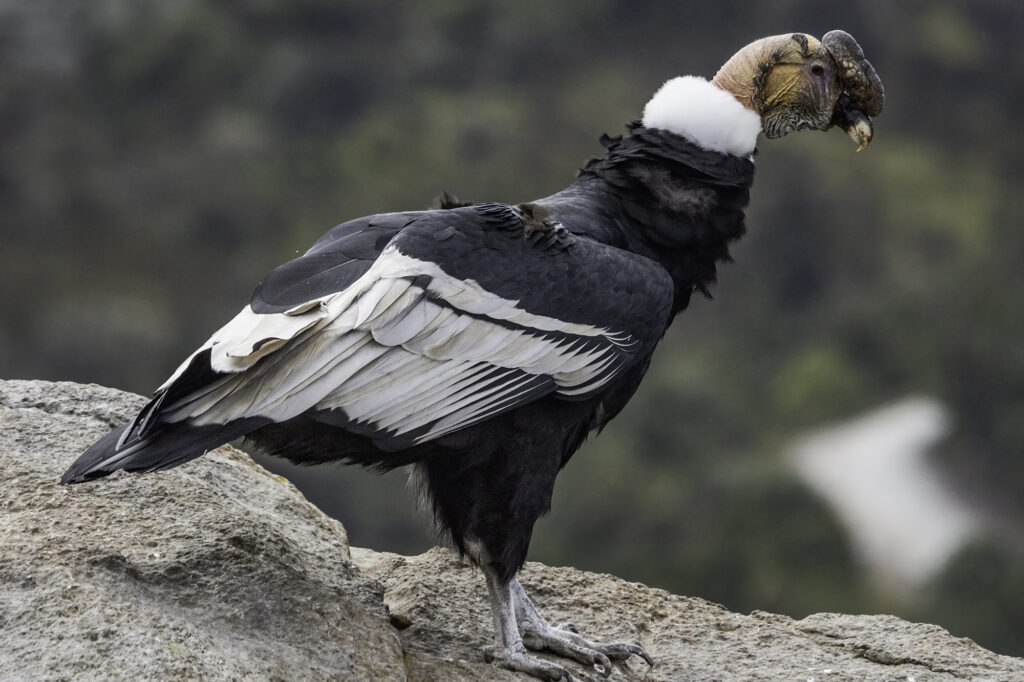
740	88
664	198
741	75
708	114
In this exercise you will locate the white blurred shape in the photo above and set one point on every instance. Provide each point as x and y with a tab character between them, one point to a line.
903	520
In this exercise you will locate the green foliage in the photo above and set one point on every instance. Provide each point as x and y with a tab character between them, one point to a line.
158	158
818	385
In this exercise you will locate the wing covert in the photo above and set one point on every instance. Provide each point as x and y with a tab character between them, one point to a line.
429	339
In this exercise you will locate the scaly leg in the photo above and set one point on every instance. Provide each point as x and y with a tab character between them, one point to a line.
564	640
508	650
518	626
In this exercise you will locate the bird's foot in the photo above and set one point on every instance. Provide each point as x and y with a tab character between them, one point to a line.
566	641
517	659
518	627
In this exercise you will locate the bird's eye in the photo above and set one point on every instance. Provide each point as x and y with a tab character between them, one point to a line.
818	70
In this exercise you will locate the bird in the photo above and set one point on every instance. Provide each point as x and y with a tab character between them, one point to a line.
480	344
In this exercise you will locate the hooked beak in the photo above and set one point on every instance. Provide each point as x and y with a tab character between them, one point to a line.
855	123
863	95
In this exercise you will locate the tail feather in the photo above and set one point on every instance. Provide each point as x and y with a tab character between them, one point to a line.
172	445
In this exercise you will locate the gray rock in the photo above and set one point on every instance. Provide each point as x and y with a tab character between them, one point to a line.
689	638
216	570
219	570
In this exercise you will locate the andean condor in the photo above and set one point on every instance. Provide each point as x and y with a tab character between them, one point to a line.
482	343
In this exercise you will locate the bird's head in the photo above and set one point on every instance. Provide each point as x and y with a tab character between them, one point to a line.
796	82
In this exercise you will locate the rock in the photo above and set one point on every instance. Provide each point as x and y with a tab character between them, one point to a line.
219	570
442	606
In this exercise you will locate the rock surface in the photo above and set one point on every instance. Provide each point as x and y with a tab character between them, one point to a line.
219	570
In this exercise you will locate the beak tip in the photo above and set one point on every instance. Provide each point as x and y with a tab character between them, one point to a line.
861	131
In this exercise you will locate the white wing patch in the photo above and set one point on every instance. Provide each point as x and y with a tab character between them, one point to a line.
397	351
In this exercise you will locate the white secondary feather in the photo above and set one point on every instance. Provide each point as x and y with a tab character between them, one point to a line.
446	379
379	398
705	114
399	356
478	406
412	319
366	304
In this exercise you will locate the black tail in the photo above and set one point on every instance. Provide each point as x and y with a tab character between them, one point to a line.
167	447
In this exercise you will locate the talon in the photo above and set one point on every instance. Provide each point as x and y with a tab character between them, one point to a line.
642	654
604	663
569	627
638	651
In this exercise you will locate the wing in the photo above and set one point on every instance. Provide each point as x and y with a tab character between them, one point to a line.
150	441
465	314
335	261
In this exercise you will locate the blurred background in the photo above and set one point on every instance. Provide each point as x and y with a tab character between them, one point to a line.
841	429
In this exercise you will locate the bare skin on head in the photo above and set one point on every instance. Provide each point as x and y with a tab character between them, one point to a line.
796	82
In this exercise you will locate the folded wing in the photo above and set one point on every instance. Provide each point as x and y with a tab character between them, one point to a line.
407	329
406	354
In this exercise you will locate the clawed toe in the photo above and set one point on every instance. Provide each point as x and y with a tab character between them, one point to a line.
576	648
620	651
565	642
520	661
534	633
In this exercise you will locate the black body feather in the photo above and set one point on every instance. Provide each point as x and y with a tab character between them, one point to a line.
617	254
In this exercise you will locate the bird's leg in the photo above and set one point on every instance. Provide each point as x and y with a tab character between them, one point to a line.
508	650
564	640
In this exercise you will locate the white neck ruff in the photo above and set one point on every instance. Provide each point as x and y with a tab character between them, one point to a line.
704	114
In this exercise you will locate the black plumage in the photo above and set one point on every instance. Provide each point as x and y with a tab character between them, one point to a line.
601	267
622	249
